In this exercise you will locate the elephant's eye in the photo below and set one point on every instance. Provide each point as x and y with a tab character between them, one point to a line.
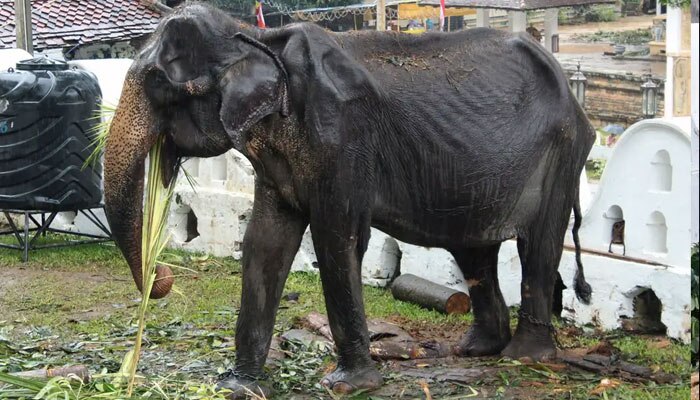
159	90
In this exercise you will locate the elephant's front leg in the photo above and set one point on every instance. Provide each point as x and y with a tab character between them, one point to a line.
271	241
340	238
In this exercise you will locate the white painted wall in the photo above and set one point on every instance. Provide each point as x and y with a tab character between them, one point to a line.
110	74
647	177
695	83
10	57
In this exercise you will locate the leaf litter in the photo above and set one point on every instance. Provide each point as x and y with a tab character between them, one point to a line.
182	360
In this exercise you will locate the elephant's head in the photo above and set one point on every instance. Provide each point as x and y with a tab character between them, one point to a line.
202	80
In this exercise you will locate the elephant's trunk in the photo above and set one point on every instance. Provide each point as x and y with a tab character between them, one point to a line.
131	136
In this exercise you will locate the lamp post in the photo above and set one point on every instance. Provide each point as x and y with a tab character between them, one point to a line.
649	103
578	85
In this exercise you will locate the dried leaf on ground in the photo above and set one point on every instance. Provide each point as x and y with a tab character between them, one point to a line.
605	384
604	347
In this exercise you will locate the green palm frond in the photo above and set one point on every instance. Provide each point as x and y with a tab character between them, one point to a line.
190	179
98	133
153	241
24	383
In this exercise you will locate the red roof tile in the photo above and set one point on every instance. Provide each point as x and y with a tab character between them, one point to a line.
64	23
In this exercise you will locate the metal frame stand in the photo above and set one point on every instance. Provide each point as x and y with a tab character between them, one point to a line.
25	242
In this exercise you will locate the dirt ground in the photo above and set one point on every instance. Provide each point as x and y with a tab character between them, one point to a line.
56	316
571	51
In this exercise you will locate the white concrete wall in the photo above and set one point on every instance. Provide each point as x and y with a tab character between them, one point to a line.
10	57
646	179
110	74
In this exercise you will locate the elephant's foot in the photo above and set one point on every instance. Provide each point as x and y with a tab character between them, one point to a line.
239	387
479	341
343	381
534	342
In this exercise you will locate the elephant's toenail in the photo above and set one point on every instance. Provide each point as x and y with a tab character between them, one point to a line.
326	383
342	388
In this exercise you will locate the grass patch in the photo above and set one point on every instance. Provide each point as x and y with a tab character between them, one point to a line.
667	355
79	305
594	169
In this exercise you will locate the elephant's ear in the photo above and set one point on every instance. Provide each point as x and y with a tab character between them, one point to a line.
252	87
180	54
335	81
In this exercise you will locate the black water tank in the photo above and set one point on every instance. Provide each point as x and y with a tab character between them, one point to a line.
46	116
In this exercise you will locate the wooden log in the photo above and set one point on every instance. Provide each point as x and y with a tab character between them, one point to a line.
410	288
318	323
80	371
408	350
583	364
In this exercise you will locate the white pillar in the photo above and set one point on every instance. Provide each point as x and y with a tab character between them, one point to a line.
517	20
381	15
551	26
694	60
23	24
483	16
674	19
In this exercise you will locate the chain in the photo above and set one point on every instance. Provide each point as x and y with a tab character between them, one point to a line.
534	321
234	374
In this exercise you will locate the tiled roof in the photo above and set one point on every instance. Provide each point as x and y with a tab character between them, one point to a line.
514	4
67	23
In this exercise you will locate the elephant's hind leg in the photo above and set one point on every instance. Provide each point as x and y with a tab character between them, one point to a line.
490	332
540	249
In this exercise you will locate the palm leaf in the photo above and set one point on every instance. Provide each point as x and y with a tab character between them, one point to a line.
98	133
24	383
153	241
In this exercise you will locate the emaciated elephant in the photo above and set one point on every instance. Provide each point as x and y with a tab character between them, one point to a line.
454	140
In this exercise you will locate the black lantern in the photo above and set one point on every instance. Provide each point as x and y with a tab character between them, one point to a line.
578	85
555	43
649	104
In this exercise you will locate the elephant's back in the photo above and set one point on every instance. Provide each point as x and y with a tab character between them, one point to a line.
474	115
485	79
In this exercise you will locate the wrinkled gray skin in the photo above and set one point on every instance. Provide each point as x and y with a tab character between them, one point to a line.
453	140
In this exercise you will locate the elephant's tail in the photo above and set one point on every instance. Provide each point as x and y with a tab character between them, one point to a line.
581	287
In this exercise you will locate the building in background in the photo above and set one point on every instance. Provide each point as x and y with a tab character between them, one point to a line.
83	29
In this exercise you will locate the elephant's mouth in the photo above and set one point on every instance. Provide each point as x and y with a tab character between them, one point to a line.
191	122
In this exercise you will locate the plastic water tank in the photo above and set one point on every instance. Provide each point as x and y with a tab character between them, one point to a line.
46	116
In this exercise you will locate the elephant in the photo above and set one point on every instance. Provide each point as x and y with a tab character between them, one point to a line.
455	140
